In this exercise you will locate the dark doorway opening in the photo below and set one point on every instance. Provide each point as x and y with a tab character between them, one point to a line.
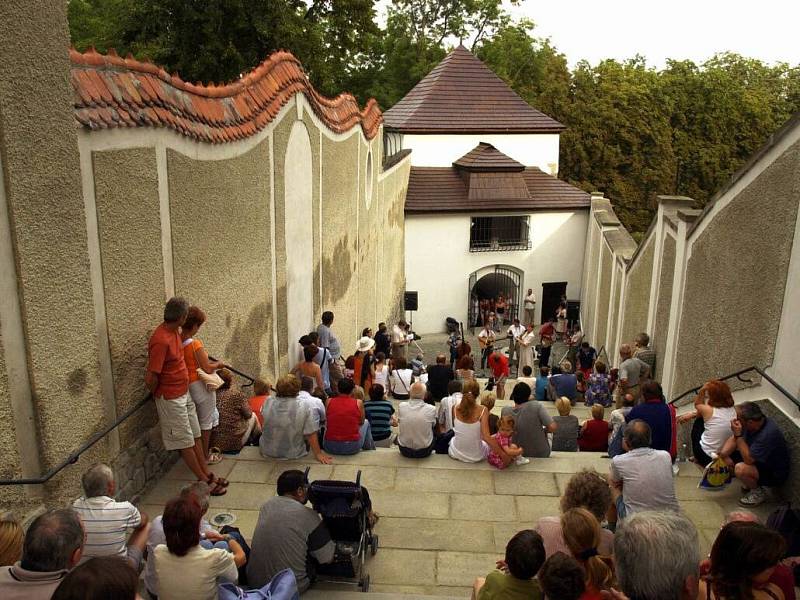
551	297
503	281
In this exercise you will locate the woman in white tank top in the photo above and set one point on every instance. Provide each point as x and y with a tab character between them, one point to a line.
471	440
713	414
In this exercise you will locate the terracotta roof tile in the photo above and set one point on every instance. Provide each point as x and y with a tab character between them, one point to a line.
443	189
462	95
114	92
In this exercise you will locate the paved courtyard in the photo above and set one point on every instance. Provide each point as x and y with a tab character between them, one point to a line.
442	522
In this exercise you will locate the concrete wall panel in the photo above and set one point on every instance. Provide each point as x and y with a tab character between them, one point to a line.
637	295
129	227
604	294
589	297
659	334
222	252
736	277
612	332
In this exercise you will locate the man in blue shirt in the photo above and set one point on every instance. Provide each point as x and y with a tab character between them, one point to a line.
758	452
656	413
563	383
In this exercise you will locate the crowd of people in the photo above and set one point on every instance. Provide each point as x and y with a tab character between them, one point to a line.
621	533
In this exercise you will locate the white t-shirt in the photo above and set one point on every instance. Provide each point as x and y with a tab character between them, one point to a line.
515	331
445	415
382	376
106	523
485	335
154	539
646	476
401	381
315	405
196	575
415	420
530	300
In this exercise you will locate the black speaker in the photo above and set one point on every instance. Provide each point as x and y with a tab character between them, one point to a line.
410	301
573	310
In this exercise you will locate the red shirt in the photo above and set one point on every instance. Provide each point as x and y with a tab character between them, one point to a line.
165	357
256	404
498	363
343	419
595	437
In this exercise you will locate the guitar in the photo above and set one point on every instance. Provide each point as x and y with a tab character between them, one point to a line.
486	342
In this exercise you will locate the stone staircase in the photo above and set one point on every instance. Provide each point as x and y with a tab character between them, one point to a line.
443	522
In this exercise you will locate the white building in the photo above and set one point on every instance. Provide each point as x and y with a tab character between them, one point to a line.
484	211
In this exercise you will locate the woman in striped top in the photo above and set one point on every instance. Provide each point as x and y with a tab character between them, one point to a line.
380	414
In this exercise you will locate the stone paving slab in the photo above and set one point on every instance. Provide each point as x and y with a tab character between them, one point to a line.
399	567
435	534
461	568
532	508
373	478
513	482
404	503
487	506
445	480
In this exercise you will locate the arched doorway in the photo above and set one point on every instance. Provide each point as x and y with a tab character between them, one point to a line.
490	283
298	192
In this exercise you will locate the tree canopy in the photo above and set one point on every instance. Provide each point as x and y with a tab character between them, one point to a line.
633	131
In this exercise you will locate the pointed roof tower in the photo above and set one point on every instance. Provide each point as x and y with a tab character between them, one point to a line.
462	95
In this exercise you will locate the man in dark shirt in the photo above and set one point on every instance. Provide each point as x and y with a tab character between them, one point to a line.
585	357
758	452
656	413
382	341
439	375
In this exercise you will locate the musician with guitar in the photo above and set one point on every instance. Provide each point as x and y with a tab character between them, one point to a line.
486	340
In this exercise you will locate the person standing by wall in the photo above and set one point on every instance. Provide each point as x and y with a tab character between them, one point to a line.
486	338
168	381
327	339
530	307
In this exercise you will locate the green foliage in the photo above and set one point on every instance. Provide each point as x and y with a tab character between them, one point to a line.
633	132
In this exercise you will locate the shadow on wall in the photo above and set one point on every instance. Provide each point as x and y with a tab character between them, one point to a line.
243	349
337	271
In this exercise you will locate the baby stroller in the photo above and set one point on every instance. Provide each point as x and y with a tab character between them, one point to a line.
452	325
342	507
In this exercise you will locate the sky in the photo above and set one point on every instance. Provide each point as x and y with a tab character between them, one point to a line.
679	29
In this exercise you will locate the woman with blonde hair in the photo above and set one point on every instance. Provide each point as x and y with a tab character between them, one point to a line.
11	537
565	437
472	439
581	531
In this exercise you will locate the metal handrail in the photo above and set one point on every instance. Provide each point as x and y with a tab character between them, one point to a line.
738	375
74	456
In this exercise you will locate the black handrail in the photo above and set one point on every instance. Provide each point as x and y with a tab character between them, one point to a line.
738	375
73	458
239	373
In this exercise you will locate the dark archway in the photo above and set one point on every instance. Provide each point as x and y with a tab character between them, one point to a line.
490	285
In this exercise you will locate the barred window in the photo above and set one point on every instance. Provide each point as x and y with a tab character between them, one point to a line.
495	234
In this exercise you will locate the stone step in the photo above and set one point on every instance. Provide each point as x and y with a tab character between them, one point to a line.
325	593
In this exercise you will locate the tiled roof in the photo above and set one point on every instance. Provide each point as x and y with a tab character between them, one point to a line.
485	157
462	95
444	189
111	91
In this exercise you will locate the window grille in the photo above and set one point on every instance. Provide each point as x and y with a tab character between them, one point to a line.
499	234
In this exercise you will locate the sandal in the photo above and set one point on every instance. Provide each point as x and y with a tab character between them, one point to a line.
214	456
218	490
220	481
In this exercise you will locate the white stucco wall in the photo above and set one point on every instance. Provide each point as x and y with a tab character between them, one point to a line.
438	262
299	237
532	150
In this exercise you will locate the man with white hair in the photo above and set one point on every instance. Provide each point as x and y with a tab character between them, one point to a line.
416	421
657	556
107	521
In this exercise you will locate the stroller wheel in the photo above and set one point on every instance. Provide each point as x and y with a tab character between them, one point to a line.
364	583
373	545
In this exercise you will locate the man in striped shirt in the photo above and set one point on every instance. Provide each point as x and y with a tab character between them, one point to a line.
107	521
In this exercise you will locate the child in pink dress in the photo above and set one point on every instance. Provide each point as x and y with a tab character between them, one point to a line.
505	430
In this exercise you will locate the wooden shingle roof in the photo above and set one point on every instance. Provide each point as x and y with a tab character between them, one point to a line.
485	157
462	95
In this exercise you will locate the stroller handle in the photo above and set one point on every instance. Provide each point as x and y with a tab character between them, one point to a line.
358	478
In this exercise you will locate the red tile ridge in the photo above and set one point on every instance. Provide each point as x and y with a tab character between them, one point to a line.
109	84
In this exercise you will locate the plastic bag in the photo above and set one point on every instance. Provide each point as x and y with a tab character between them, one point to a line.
716	476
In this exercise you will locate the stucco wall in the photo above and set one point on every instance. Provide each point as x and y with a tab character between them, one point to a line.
659	334
391	250
41	175
438	262
736	277
221	248
9	496
604	297
612	332
591	276
340	238
637	294
129	228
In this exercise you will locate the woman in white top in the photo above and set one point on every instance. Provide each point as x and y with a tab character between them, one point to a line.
472	440
401	378
184	568
527	341
713	414
381	376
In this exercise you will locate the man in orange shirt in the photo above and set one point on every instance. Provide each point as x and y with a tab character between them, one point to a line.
168	381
